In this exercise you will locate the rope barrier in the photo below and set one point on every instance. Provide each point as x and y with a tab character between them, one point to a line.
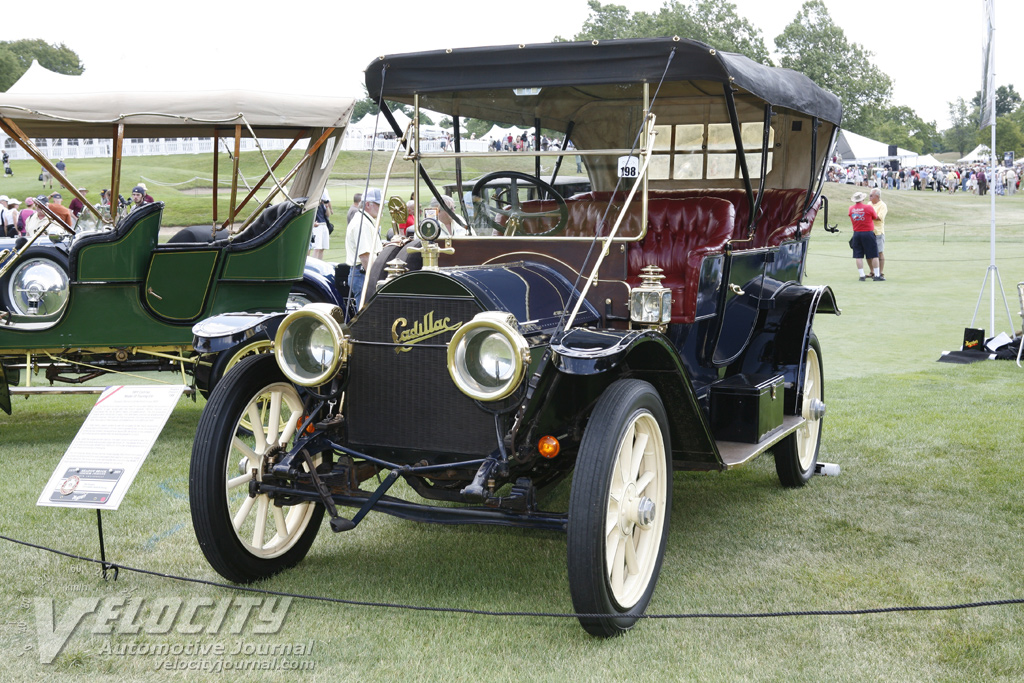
515	613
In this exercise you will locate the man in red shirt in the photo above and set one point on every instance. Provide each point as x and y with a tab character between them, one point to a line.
863	217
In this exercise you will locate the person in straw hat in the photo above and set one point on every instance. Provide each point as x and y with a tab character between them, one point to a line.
863	218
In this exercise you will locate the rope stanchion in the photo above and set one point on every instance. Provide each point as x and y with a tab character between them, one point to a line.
516	613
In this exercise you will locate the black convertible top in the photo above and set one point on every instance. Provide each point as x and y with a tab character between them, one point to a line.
598	62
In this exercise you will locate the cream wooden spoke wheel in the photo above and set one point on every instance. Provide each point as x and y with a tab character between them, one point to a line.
796	456
619	508
252	417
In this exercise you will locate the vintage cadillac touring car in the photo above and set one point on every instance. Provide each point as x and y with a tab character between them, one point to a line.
655	323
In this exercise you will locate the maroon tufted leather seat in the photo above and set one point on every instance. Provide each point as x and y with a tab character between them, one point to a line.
681	231
780	212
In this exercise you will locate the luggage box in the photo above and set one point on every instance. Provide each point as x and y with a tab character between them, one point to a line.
746	408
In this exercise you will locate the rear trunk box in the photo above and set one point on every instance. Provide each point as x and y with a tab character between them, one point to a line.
746	408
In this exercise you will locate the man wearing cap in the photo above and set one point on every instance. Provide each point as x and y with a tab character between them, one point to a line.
362	242
8	221
138	197
863	217
63	212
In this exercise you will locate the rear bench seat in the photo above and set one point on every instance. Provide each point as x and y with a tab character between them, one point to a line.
780	212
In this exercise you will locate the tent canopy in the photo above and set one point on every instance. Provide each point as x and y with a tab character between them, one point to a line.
978	155
859	149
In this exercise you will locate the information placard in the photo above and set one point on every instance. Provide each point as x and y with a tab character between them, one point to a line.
109	449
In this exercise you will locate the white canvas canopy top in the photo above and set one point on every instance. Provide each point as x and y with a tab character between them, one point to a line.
171	114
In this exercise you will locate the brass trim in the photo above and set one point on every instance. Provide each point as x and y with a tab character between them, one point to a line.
504	324
329	316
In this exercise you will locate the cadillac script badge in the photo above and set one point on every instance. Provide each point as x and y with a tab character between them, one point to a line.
403	333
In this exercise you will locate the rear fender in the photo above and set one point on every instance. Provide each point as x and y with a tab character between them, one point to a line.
779	345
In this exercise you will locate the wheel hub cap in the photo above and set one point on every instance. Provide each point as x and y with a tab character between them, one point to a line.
636	511
816	409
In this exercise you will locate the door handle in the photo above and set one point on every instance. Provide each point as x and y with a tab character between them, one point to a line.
733	287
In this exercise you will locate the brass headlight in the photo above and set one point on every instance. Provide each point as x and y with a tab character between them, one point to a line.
310	345
488	357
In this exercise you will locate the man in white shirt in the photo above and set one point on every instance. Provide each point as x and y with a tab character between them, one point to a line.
362	243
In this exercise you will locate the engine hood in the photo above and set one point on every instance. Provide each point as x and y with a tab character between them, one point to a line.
535	294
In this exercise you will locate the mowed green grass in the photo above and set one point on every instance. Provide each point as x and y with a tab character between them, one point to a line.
927	511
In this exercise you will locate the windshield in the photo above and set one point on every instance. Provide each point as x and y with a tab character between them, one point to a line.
545	162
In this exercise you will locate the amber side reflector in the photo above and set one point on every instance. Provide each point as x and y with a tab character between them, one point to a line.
548	446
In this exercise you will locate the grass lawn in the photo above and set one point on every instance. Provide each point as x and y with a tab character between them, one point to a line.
927	511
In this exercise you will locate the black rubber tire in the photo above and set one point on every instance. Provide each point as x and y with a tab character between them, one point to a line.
619	408
794	470
57	256
208	495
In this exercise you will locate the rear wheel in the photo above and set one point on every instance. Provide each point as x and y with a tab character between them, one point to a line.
797	455
248	537
619	507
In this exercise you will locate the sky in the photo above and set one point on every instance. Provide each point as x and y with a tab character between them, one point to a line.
931	50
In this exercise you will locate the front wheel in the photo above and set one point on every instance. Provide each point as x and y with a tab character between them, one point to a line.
797	455
619	508
247	537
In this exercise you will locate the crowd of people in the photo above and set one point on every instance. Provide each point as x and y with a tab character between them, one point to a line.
976	179
19	218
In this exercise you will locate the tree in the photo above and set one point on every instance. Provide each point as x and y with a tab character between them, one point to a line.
962	133
814	45
1008	137
16	57
714	22
1007	100
901	126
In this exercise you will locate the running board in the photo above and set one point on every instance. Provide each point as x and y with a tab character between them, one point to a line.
41	391
736	453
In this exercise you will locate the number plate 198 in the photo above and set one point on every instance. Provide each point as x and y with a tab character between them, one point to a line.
629	167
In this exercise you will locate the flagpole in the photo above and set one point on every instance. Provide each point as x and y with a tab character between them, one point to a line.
988	118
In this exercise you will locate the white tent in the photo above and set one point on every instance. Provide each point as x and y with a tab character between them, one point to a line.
855	148
39	80
923	160
978	155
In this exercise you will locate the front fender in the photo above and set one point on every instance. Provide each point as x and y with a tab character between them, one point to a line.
222	332
596	358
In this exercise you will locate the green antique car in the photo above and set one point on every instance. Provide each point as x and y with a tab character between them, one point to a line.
129	302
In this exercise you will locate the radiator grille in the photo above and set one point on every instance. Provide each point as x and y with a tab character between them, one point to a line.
407	400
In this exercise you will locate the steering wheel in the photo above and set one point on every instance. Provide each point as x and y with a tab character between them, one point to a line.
505	202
